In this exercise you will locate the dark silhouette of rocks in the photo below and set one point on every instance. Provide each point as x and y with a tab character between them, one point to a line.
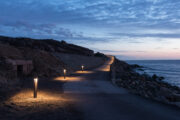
48	45
134	66
98	54
143	85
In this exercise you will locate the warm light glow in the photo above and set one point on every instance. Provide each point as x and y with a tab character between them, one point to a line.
45	97
35	87
64	71
106	66
71	78
84	72
82	67
35	80
64	74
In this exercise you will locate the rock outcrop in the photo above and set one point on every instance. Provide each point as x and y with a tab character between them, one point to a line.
48	45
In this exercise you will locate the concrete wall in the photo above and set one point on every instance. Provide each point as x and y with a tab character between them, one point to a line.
113	73
27	65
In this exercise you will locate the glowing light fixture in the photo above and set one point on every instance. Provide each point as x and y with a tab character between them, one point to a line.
82	68
64	73
35	87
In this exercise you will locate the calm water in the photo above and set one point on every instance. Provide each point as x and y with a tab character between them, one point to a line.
170	69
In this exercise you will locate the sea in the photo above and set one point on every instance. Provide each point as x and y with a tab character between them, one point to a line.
169	69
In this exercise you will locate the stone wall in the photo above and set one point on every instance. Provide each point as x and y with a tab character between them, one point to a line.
26	64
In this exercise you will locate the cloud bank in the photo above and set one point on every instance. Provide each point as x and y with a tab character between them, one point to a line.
95	22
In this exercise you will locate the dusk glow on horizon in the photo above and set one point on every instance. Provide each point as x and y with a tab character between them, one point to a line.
128	29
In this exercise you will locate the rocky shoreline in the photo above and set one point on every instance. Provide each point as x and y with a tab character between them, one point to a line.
151	87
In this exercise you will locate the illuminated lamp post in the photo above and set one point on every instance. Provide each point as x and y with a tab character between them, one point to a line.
35	87
64	73
82	68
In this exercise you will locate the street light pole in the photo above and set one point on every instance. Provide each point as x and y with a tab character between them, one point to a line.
64	73
35	87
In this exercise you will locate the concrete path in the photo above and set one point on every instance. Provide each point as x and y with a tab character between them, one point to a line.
99	99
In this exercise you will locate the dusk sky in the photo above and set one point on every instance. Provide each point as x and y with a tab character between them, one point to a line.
129	29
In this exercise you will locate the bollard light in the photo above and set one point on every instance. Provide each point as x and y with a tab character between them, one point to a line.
64	73
82	68
35	87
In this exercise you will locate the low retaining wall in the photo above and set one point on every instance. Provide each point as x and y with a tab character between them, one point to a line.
113	73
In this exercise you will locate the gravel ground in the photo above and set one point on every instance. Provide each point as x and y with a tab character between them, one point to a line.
49	105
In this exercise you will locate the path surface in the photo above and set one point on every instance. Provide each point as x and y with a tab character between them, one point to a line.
49	104
99	99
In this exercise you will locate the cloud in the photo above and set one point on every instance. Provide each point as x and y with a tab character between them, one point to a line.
156	35
114	51
119	52
39	29
103	13
127	22
94	11
175	48
126	57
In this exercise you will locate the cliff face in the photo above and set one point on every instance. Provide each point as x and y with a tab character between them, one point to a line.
8	51
48	45
144	85
44	63
41	52
48	57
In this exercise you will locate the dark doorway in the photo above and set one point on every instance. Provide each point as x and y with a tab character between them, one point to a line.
20	70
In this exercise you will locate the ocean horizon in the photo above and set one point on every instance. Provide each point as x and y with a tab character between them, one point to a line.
169	69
